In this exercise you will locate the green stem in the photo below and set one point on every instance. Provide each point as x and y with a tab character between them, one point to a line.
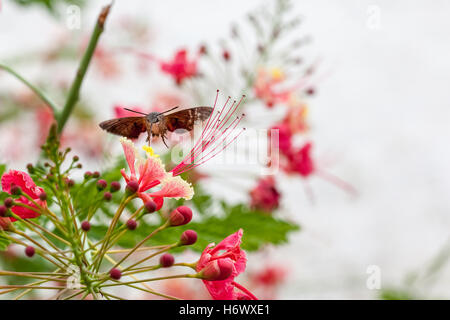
74	91
37	91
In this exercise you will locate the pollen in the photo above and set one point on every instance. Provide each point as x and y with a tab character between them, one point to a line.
150	152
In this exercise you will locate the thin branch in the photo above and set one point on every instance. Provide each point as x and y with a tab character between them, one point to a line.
74	92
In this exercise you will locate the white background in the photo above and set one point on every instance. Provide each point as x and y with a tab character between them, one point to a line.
383	109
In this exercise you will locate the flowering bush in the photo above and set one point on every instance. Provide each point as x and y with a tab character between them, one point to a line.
85	234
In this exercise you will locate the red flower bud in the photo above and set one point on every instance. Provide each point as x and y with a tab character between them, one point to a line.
30	168
107	196
115	186
101	184
217	270
87	174
226	55
70	183
8	202
96	174
132	187
188	237
131	224
16	190
86	226
203	49
43	196
167	260
3	211
180	216
29	251
310	91
115	273
150	206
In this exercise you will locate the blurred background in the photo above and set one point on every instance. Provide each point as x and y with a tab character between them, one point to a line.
378	118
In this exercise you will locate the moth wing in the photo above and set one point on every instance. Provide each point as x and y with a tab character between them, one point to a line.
186	119
130	127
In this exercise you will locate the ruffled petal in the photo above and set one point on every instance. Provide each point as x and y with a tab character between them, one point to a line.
23	180
130	154
22	212
175	187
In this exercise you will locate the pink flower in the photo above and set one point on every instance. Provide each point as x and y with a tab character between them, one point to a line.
270	276
106	62
180	68
149	172
225	255
45	119
266	87
284	137
295	118
24	181
300	161
265	195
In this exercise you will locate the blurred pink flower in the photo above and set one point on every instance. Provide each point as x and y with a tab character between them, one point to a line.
120	112
106	62
269	276
265	196
227	250
284	137
45	119
300	161
180	67
266	88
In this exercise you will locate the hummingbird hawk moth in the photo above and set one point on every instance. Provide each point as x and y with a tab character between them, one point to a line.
156	123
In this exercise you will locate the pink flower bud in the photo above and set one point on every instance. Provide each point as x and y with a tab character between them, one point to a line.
43	196
226	55
217	270
107	196
132	187
131	224
70	183
150	206
115	186
101	184
86	226
87	175
96	174
29	251
30	168
9	202
180	216
3	211
188	237
167	260
16	190
115	274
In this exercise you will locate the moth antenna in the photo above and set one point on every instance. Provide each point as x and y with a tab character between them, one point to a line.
169	110
135	111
